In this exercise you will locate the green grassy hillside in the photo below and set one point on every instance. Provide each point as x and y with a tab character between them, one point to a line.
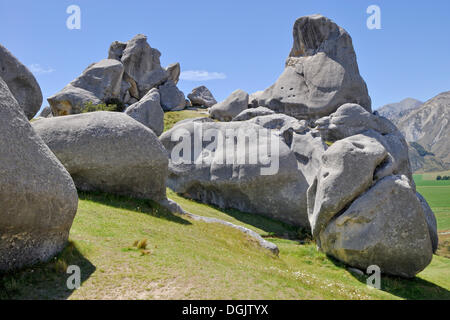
186	259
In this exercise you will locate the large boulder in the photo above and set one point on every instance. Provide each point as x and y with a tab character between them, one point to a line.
230	107
142	64
148	111
108	152
362	205
172	99
385	227
97	84
38	199
21	83
304	142
223	164
174	72
202	97
320	75
347	171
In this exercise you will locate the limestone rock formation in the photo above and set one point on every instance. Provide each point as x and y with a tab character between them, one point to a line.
202	97
230	107
362	206
247	182
38	199
321	73
148	111
98	83
108	152
21	83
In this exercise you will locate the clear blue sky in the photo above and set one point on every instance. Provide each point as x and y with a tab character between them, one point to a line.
245	42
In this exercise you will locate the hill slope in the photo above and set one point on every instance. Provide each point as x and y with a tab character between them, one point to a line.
187	259
429	127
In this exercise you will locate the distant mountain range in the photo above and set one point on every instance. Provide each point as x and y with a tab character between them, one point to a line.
395	111
426	127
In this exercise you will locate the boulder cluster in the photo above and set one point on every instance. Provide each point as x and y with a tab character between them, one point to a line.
307	151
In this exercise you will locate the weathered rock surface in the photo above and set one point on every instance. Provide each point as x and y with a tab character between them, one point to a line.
385	227
21	83
230	107
321	73
38	199
149	112
142	64
214	175
98	83
174	72
362	205
109	152
201	96
252	113
172	99
347	171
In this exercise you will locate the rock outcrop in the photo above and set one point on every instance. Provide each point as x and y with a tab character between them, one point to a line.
202	97
21	83
230	107
321	73
99	83
362	206
38	199
108	152
149	112
236	174
132	69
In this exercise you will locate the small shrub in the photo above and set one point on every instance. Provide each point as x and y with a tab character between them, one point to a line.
113	105
135	244
142	245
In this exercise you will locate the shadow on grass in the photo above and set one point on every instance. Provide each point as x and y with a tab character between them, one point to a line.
409	289
45	281
273	228
148	207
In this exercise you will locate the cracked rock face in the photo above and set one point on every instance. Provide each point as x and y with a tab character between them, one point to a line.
321	73
363	206
38	199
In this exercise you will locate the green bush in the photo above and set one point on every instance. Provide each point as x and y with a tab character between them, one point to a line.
114	105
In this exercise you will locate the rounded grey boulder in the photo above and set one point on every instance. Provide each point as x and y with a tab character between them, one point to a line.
108	152
230	107
201	96
38	199
21	83
233	174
